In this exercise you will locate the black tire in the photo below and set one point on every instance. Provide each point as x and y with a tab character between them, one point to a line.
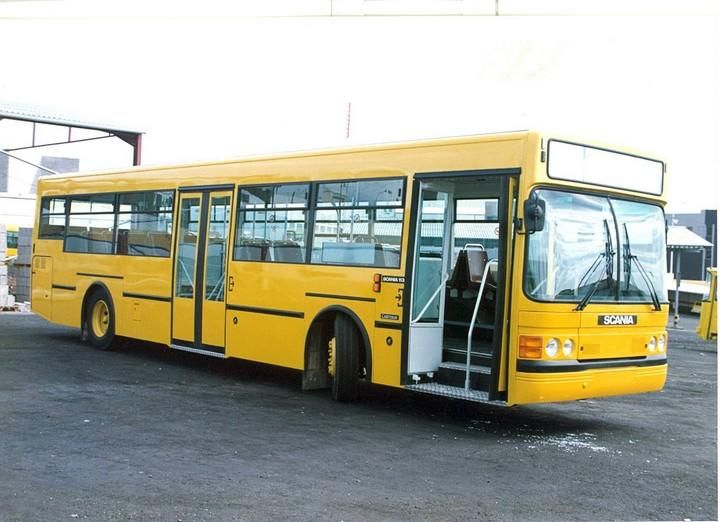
100	320
346	373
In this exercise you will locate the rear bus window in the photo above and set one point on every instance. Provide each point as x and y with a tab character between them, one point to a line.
52	218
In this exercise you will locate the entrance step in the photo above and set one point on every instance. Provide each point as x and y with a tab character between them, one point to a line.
453	374
452	392
460	356
466	324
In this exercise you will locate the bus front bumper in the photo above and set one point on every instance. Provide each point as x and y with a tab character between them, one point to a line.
539	381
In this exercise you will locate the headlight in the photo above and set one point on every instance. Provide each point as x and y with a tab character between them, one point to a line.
661	344
551	348
568	347
652	344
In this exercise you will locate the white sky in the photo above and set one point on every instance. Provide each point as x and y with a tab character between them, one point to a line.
219	86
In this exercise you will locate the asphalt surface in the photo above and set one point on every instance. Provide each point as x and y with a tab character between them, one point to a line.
145	433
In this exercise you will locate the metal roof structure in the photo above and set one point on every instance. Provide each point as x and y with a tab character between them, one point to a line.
682	238
35	115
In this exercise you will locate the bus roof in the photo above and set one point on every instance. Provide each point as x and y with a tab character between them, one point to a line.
501	150
454	140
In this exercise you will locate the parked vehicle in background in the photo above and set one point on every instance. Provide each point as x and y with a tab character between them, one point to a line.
12	240
707	326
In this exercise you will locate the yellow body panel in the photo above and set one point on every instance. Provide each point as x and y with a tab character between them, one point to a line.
42	286
549	387
213	332
183	319
388	317
266	338
601	342
276	337
152	318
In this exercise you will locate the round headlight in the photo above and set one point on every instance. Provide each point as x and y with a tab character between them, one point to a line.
652	344
661	344
551	348
567	348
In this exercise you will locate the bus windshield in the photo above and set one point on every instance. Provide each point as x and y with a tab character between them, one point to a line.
596	248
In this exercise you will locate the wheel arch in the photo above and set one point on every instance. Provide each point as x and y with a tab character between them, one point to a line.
327	315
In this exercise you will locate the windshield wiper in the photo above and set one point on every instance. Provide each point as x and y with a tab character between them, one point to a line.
628	261
627	258
608	257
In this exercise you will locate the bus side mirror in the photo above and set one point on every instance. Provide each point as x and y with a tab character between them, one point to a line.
534	210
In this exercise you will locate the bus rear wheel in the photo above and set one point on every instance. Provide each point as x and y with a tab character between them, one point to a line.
100	320
344	359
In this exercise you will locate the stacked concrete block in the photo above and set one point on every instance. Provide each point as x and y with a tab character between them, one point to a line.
22	284
22	266
4	290
24	256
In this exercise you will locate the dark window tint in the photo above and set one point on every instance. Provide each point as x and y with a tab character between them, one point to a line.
145	223
144	234
150	201
91	224
92	233
53	205
52	218
92	203
12	239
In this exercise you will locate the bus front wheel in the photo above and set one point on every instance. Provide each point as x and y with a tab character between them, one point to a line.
100	320
345	359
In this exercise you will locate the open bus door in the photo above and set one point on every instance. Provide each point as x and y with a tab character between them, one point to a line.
458	303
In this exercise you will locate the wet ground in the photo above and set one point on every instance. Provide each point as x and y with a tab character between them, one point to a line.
144	433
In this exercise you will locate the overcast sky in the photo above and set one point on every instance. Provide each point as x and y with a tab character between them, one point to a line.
219	86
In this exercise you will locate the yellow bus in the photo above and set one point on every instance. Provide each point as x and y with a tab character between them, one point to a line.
12	240
508	268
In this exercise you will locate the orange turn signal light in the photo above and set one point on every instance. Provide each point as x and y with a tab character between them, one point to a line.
377	279
530	347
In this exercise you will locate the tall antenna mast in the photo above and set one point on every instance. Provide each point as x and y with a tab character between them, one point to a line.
347	126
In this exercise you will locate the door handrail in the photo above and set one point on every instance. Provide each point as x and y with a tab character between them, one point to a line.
474	318
432	298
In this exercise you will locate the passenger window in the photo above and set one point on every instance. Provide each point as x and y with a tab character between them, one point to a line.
359	223
271	223
91	224
145	223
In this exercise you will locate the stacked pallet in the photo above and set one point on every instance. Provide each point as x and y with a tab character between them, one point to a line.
21	268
